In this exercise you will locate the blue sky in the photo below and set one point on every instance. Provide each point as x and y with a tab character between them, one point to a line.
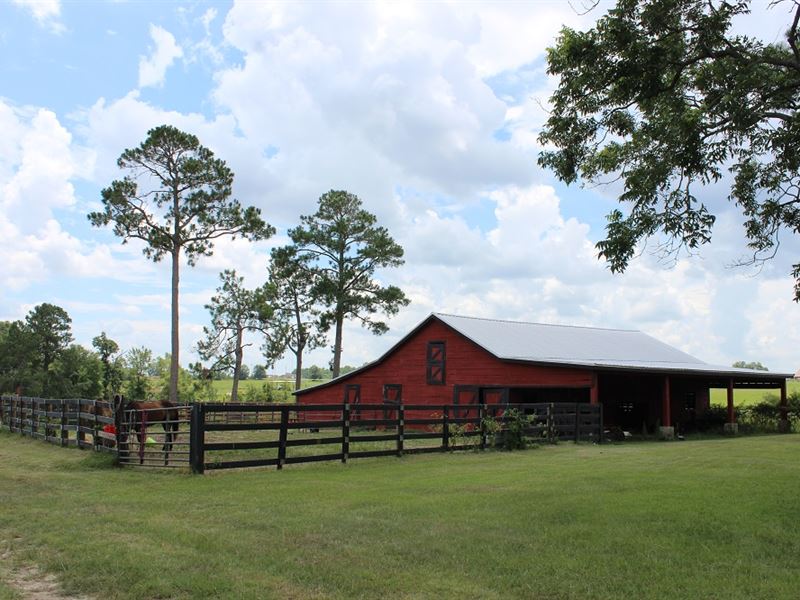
429	112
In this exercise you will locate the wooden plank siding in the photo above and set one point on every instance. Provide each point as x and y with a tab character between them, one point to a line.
466	364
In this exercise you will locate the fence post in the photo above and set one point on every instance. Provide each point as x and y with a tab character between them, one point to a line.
32	415
118	410
282	436
64	430
482	416
550	423
345	431
401	426
445	428
95	426
600	408
197	438
577	423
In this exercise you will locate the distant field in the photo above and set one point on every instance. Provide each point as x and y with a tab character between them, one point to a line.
282	388
714	518
747	397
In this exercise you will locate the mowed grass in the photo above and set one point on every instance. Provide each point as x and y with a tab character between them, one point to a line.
742	397
697	519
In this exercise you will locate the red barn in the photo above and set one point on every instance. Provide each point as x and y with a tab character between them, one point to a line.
450	359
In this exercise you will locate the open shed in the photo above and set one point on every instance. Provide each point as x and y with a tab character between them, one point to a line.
642	383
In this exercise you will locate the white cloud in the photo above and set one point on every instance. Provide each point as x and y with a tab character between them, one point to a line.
153	68
45	12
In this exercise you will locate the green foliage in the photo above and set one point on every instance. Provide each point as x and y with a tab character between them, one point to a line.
184	205
77	373
511	431
259	372
661	94
740	364
50	328
342	247
515	435
139	363
297	325
112	367
235	311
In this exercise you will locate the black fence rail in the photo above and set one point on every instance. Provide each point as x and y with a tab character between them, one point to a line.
299	433
65	422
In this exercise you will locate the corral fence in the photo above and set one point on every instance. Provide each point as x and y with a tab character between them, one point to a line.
209	436
65	422
280	434
154	437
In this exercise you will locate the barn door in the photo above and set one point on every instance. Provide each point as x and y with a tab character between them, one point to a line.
495	399
352	396
392	397
466	395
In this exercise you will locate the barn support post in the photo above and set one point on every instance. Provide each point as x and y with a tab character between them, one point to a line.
784	426
731	426
197	438
594	391
667	431
401	427
345	431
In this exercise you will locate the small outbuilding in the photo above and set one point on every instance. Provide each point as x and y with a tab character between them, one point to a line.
642	383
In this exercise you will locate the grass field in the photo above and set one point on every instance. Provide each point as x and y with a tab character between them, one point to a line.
282	389
711	519
747	397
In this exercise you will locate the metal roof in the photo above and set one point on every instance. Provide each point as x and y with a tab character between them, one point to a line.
569	345
582	346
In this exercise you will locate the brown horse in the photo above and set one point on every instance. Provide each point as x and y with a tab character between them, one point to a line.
137	414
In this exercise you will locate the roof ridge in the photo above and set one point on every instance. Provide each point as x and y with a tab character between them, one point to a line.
536	323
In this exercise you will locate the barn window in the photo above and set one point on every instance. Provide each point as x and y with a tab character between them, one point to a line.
690	402
435	363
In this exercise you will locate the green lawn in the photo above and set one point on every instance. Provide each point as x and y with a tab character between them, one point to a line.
697	519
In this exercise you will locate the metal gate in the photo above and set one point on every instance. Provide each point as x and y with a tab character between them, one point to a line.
154	437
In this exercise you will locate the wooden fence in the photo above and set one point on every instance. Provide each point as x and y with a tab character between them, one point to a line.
72	422
338	432
227	436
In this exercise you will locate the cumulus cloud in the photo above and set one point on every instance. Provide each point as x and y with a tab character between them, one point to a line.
153	68
45	12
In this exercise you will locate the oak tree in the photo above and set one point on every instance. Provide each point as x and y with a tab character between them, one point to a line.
664	96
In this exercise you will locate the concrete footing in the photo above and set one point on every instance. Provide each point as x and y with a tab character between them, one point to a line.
731	428
666	433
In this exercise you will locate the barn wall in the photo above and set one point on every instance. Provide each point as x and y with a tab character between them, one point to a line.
466	364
